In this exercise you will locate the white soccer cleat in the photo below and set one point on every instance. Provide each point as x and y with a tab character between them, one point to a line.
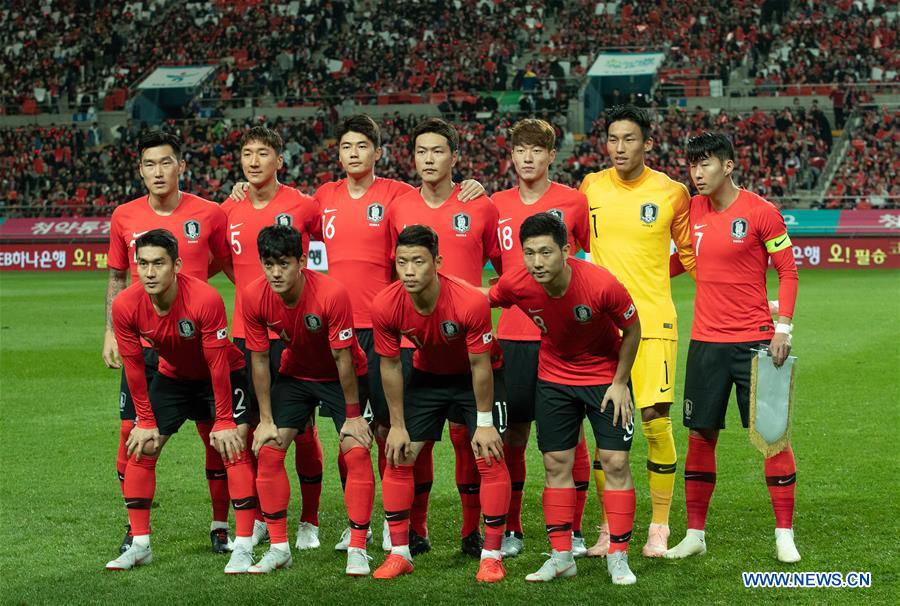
785	550
344	543
274	559
260	532
358	562
386	537
136	555
693	543
579	549
240	562
307	536
512	545
657	541
617	566
559	565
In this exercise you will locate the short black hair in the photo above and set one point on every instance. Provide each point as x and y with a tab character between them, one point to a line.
362	124
708	144
544	224
437	126
159	237
419	235
631	113
264	135
276	241
157	138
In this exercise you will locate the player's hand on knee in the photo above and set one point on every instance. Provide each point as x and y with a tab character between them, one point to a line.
227	443
780	348
470	189
623	407
111	351
239	191
357	429
264	433
397	447
139	439
487	443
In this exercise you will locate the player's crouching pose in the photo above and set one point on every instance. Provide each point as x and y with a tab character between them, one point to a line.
583	369
322	364
201	375
449	322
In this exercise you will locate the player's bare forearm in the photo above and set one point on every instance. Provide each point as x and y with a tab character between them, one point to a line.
259	371
392	382
343	358
482	381
115	284
631	339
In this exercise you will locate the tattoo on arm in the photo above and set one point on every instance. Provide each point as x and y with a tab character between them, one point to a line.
116	284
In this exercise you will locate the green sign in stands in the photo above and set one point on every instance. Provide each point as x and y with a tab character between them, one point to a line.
811	222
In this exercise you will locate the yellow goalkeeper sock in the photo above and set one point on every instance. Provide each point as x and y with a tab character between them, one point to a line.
661	459
600	485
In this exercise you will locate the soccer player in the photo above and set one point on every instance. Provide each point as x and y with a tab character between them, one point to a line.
583	369
735	235
468	231
635	213
321	362
200	376
273	203
533	147
199	227
449	322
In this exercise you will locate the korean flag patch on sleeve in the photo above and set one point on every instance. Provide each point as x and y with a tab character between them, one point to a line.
487	338
222	333
629	312
345	334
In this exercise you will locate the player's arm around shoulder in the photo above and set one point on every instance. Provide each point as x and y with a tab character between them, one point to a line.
681	232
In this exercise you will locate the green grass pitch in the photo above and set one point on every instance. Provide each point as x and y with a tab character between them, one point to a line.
61	513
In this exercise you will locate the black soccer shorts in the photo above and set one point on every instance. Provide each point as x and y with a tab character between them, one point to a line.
276	349
520	362
295	400
175	401
430	399
126	403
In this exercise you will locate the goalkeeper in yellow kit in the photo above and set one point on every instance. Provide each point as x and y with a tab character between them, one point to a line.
634	213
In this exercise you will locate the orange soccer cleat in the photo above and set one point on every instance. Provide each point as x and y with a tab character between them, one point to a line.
394	566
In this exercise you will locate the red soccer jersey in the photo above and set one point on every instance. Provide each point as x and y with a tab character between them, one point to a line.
191	339
321	321
467	231
198	225
459	325
568	204
580	330
288	207
732	248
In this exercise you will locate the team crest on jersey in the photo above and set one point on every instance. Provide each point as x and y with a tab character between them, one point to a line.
583	313
284	219
461	223
186	329
739	229
375	212
192	229
450	329
649	212
312	322
556	213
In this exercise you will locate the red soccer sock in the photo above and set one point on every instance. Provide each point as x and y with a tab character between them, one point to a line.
122	455
515	463
140	484
619	506
342	468
495	494
699	479
257	515
467	479
581	474
308	457
242	488
359	494
423	477
781	477
274	491
216	477
559	510
382	459
397	496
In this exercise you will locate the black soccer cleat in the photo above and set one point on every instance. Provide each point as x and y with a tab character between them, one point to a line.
220	541
472	544
418	544
126	542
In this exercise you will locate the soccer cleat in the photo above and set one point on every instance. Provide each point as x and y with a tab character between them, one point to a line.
512	545
472	544
394	566
693	543
601	547
240	562
357	562
386	537
559	565
490	570
260	532
785	550
344	543
136	555
272	560
221	542
657	541
617	566
126	542
307	536
419	544
579	550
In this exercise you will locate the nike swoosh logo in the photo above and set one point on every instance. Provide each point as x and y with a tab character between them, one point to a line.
596	207
661	390
534	311
330	210
780	242
502	221
242	503
272	324
146	332
393	516
787	480
235	226
628	437
492	521
130	503
138	234
666	468
555	528
693	476
699	226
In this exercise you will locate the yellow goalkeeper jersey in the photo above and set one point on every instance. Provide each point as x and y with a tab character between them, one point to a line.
632	224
